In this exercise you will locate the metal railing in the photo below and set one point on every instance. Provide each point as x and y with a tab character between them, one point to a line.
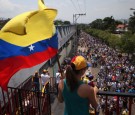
129	98
29	102
24	100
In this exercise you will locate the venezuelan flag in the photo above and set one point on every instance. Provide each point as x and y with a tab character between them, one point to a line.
27	40
13	58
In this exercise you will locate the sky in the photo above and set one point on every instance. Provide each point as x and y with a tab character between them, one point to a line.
94	9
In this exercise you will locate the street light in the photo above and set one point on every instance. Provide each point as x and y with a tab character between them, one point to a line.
132	9
75	17
133	12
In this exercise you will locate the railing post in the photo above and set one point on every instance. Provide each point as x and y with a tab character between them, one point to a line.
13	101
39	108
106	109
0	108
9	103
20	101
130	104
3	97
117	105
49	103
4	100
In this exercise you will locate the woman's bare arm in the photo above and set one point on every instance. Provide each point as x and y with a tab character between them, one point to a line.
60	89
93	97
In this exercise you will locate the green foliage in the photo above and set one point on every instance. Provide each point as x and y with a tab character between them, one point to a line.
60	22
97	24
3	22
117	22
114	41
66	22
82	26
108	23
132	23
125	44
128	43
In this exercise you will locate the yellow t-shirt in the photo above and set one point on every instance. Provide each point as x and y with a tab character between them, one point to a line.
86	80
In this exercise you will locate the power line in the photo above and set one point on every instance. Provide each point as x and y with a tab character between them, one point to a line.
79	6
85	6
74	6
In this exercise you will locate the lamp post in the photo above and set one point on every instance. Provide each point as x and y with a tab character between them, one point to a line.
132	9
75	17
132	20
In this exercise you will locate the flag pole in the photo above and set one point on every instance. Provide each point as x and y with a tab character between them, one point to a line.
61	72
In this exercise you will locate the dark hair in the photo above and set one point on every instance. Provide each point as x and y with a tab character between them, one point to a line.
36	74
71	79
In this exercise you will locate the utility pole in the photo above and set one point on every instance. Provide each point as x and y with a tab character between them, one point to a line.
75	17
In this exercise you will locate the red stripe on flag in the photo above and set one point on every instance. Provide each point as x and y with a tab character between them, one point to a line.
9	66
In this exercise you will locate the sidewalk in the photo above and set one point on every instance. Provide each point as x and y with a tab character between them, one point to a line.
57	108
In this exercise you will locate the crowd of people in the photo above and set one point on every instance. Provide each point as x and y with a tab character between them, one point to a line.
117	73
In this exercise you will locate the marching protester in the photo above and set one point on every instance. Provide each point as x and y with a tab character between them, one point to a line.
45	79
116	74
36	81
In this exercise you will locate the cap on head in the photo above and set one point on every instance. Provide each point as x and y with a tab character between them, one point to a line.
79	62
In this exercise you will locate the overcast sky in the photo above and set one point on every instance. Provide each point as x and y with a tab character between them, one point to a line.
119	9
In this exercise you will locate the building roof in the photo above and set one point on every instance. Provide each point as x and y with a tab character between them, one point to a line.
121	26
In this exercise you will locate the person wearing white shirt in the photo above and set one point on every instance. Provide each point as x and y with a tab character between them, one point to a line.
45	78
58	76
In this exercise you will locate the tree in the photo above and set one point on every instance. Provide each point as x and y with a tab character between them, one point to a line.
66	22
117	22
97	24
109	24
127	43
132	23
58	22
3	22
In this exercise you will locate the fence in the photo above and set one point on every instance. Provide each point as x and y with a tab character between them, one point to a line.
24	100
129	99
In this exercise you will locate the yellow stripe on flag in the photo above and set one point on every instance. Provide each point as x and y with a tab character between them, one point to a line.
30	27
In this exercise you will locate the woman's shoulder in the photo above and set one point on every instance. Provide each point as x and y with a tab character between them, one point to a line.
84	90
85	87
